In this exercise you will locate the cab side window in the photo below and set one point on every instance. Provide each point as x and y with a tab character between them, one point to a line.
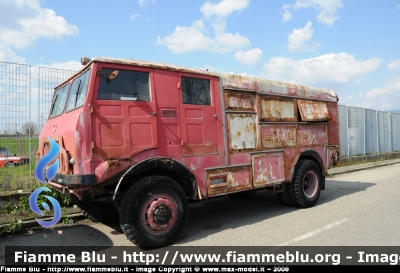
196	91
123	85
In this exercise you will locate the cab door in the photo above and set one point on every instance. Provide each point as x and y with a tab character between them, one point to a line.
124	119
198	115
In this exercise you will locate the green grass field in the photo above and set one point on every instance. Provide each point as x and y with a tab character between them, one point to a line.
20	177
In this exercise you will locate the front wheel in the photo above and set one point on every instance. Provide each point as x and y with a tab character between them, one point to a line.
306	188
153	212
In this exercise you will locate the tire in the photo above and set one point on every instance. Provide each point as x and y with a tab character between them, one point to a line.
10	165
305	189
284	196
97	211
153	212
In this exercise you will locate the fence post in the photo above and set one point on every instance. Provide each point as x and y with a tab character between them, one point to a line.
29	132
365	128
38	114
377	130
390	132
347	132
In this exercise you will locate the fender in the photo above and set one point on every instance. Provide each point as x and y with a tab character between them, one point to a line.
314	155
184	176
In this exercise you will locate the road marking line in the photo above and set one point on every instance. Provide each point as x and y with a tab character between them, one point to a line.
315	232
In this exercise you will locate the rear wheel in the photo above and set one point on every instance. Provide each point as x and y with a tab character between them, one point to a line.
10	165
153	212
306	188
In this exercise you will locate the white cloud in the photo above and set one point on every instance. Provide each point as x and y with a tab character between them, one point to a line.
287	15
329	71
388	96
70	65
25	21
135	16
142	3
7	55
327	9
226	42
185	39
385	98
250	57
346	100
223	8
299	37
394	66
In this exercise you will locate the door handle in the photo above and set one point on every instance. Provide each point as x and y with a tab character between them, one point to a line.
152	114
215	115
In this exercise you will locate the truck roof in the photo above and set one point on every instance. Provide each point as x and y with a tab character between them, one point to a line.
234	81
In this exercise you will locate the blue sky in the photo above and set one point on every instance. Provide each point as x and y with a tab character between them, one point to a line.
349	46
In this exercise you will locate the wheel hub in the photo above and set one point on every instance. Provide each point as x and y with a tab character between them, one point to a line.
162	215
310	184
159	214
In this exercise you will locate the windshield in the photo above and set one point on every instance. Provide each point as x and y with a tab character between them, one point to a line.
76	97
78	92
60	96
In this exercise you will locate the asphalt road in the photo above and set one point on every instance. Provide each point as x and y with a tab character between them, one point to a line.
356	209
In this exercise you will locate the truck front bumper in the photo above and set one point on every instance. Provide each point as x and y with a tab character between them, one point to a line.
77	180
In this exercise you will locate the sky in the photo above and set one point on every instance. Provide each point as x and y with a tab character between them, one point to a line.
349	46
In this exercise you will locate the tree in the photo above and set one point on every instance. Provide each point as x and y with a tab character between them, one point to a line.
29	128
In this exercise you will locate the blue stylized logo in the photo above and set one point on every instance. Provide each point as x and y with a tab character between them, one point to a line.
50	173
34	207
52	170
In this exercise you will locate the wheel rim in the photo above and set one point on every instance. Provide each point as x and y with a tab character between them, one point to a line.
310	184
159	214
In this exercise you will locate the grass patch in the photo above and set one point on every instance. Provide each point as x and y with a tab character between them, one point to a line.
20	145
19	177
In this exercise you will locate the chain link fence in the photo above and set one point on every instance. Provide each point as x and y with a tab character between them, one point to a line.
365	131
15	126
21	120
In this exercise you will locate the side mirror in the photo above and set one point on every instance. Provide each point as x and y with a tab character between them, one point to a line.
113	75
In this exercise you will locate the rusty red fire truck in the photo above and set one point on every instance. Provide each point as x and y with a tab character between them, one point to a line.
140	140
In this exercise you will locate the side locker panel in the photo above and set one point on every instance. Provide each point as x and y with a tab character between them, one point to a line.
268	168
312	135
242	125
228	179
